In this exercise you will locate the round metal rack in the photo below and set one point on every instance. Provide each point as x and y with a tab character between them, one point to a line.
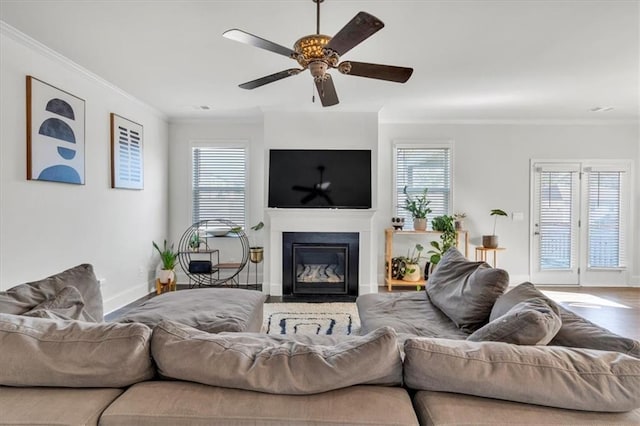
201	262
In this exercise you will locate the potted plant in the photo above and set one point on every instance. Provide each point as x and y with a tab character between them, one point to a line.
411	266
418	206
458	221
195	241
256	253
168	257
491	241
448	238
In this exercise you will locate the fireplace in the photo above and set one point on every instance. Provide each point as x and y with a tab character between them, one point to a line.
320	266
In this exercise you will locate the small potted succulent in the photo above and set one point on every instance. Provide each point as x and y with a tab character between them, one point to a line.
491	241
418	206
169	258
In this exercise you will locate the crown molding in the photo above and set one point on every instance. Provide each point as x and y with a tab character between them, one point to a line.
31	43
518	121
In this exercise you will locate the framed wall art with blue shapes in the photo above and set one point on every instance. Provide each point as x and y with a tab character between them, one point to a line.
55	134
127	161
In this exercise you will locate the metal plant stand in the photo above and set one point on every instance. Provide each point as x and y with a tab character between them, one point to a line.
202	264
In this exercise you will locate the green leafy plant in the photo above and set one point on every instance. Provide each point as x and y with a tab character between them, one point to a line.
417	205
412	258
448	237
495	213
168	256
195	240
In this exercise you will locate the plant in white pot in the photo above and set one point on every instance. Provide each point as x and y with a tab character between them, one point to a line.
169	258
418	206
491	241
411	264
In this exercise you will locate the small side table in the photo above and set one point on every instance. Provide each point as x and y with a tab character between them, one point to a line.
481	254
164	287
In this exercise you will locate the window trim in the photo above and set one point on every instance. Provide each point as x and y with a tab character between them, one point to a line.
222	143
418	144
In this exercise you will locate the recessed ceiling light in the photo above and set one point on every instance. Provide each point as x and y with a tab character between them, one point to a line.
601	109
202	107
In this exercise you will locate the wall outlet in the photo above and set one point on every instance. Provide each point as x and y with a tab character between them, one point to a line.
517	216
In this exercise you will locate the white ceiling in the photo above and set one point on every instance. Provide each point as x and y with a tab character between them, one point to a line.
472	60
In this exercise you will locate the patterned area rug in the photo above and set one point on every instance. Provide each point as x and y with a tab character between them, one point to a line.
311	318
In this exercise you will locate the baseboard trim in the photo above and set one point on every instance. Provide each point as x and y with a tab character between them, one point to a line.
125	297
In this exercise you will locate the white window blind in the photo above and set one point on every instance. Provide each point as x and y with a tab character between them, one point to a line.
606	239
219	184
555	195
423	167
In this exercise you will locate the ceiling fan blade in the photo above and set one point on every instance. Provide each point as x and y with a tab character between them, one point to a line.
381	72
302	188
360	28
307	198
270	78
327	92
253	40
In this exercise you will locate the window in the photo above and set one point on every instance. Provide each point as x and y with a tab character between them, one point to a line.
219	183
419	166
605	189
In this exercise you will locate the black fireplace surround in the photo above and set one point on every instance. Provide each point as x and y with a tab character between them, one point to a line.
320	266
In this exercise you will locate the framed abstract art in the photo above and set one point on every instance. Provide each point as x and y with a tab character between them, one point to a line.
55	134
127	160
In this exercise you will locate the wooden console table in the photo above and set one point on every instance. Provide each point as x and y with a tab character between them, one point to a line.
389	233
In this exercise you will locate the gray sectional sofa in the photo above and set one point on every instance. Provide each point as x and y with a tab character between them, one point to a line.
169	363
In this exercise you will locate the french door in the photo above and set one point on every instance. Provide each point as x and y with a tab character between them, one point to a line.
580	214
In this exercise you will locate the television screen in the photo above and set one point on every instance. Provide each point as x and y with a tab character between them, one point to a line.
339	179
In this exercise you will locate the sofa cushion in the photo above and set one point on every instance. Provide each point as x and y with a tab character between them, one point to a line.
575	331
24	297
44	352
555	376
530	322
67	305
170	403
295	365
447	409
465	291
208	309
54	406
407	312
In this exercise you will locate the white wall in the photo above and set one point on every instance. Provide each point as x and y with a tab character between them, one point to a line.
491	170
47	227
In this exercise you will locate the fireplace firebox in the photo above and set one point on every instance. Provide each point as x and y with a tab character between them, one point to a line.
320	266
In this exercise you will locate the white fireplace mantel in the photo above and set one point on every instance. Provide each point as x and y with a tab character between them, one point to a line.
321	220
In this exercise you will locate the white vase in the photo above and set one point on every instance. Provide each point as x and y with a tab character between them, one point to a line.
412	272
166	275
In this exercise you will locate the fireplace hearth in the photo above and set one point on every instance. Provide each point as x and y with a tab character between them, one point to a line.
320	266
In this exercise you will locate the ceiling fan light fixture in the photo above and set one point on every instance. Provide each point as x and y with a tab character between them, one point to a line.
310	48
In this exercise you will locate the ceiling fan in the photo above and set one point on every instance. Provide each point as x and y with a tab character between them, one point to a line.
319	53
320	189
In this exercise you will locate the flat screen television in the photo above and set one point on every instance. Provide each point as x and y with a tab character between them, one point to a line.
320	178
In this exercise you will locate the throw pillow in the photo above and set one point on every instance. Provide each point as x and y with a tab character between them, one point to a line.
576	379
531	322
288	365
464	290
575	331
24	297
67	305
44	352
